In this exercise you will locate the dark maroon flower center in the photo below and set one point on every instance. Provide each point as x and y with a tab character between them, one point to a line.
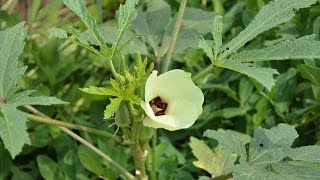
158	106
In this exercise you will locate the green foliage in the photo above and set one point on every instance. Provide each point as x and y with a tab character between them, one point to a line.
12	121
267	154
214	162
124	87
79	8
271	15
61	67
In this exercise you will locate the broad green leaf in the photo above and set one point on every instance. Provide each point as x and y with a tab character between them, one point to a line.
90	160
12	121
244	171
49	170
271	15
263	75
311	73
217	35
198	19
58	33
150	24
296	171
303	48
79	8
270	145
229	142
11	46
305	153
99	91
213	162
13	129
112	107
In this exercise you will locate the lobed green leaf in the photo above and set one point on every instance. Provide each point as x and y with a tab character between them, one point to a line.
271	15
112	107
230	142
303	48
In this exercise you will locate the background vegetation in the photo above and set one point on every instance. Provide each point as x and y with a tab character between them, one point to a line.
232	101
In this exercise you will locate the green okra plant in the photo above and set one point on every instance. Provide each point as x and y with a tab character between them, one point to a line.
141	101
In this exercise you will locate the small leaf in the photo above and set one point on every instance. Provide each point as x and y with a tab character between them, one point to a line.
203	44
217	35
245	89
305	153
78	35
230	142
58	33
99	91
13	129
90	160
49	170
112	107
311	73
263	75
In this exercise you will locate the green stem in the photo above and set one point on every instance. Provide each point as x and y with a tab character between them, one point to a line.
174	35
120	169
139	153
72	126
203	73
154	145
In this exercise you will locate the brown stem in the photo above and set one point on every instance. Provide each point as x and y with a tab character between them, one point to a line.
175	34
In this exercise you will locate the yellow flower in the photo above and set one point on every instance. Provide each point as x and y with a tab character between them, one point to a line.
172	100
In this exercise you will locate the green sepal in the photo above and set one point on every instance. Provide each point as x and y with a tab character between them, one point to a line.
122	116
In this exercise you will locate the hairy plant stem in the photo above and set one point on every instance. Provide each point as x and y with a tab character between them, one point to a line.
120	169
138	149
154	145
68	125
174	35
203	73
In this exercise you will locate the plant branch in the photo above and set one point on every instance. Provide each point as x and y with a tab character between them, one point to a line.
203	73
73	126
121	170
174	34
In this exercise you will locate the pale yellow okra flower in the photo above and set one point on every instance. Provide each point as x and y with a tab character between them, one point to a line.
172	100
